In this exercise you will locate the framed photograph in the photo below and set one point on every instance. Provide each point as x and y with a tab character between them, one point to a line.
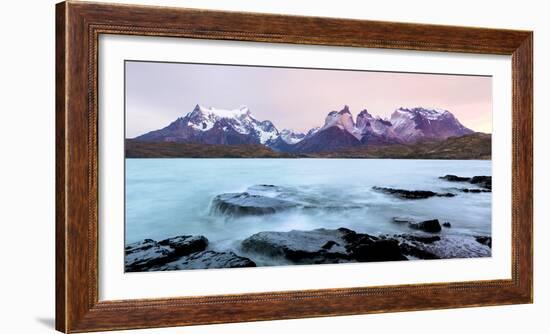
223	167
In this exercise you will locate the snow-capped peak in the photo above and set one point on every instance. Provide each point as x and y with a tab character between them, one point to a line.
343	120
420	122
429	113
223	113
240	120
291	137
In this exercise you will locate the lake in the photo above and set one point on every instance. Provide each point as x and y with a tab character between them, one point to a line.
170	197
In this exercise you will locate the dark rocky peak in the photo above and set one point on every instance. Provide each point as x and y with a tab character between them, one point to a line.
364	113
345	110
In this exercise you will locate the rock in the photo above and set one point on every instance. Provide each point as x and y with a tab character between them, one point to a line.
400	220
454	178
418	246
378	250
474	190
243	204
446	224
329	244
143	255
412	194
323	246
316	246
417	252
207	260
368	248
481	181
185	244
456	246
484	240
431	226
419	238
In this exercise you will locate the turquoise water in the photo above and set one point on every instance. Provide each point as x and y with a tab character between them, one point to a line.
170	197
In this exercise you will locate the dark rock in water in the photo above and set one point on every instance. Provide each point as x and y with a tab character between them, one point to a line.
454	178
447	247
431	225
484	240
329	244
415	245
427	226
143	255
265	188
242	204
379	250
474	190
367	248
182	252
446	224
323	246
412	194
344	245
300	246
481	181
399	220
419	238
208	260
418	253
185	244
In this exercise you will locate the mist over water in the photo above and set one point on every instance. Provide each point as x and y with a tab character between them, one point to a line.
170	197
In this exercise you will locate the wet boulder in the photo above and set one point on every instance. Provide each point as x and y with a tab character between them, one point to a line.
481	181
411	194
243	204
474	190
454	178
431	226
185	244
402	220
207	260
484	240
145	254
414	245
417	252
367	248
140	256
315	246
323	246
448	247
419	238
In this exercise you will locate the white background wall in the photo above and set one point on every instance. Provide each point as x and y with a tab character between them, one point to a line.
27	69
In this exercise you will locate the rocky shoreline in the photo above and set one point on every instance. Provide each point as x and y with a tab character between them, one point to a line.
426	240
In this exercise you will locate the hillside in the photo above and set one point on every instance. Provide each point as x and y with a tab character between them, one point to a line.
139	149
472	146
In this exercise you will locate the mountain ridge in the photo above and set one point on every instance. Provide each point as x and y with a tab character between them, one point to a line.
213	126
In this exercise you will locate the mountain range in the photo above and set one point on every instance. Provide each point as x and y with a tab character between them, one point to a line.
212	126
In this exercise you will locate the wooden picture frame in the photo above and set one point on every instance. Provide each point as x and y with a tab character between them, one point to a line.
78	26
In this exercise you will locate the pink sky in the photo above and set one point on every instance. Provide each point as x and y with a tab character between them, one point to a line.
299	99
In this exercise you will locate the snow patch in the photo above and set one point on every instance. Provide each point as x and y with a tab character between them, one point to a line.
225	113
